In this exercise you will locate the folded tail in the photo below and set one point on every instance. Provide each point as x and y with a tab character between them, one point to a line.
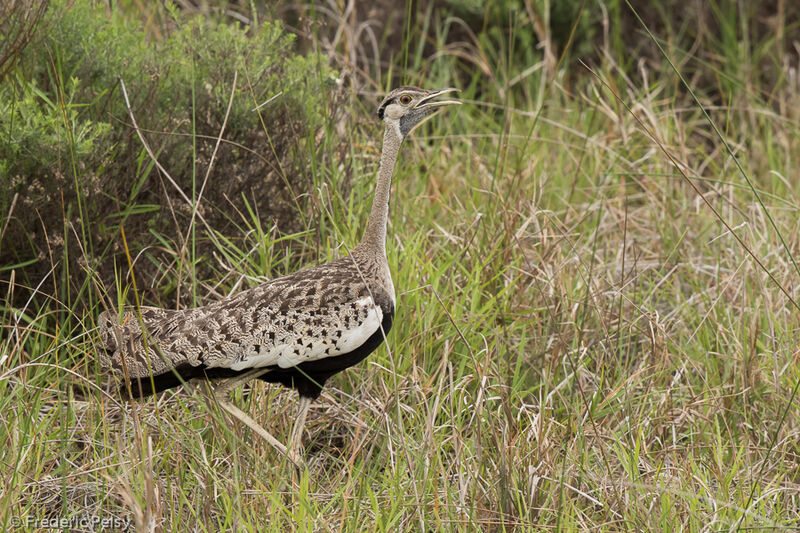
145	360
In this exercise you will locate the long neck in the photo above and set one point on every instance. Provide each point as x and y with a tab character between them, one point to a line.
375	235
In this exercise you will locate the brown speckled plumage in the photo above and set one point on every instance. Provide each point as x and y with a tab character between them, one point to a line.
304	316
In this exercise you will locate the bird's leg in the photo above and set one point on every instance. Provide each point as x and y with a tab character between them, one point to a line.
221	395
297	430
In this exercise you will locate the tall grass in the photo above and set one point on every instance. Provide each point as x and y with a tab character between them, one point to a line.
595	329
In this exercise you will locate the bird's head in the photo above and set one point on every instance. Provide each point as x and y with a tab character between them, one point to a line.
405	108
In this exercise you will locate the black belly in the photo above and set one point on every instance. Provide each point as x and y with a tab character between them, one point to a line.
307	378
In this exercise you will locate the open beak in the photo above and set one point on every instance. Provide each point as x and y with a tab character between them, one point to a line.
430	103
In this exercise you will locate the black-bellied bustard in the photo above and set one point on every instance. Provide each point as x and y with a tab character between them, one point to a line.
297	330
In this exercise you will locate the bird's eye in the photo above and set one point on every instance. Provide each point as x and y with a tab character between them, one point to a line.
405	99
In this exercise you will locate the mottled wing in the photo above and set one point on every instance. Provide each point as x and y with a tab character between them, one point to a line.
299	337
306	316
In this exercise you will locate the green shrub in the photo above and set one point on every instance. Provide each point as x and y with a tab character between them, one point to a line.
78	171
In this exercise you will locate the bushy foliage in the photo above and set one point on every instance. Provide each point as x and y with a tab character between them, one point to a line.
75	170
39	131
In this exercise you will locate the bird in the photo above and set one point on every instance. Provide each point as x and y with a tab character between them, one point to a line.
296	330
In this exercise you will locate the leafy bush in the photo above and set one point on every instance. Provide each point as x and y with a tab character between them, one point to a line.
76	171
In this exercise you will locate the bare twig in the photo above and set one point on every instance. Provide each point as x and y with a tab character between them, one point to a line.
196	204
155	160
